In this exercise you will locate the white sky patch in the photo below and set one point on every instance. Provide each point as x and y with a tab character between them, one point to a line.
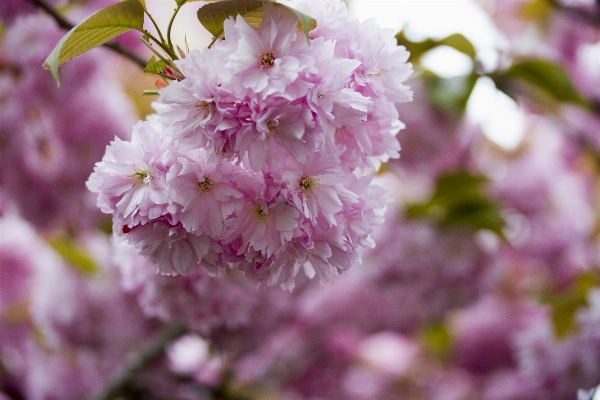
447	62
589	59
501	119
436	19
186	24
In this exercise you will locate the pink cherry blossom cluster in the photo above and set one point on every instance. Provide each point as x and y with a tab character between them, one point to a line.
262	158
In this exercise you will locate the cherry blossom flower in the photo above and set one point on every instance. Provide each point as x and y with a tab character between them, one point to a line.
260	159
130	179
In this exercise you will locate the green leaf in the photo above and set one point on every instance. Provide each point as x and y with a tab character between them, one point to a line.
95	31
182	2
537	10
542	80
567	302
437	340
417	49
449	94
74	255
460	43
143	3
213	15
459	199
155	66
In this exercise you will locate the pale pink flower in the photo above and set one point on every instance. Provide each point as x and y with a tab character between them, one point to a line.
130	179
287	124
203	302
367	145
266	60
266	225
317	187
331	97
384	67
265	150
174	250
190	109
202	188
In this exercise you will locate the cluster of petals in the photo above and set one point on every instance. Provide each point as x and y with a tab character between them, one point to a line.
261	159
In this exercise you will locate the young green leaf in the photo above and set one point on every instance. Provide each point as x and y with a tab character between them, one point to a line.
74	255
155	66
460	199
95	31
437	340
213	15
566	303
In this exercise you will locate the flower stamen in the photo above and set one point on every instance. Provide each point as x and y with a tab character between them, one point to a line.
267	59
259	213
307	183
205	185
204	107
141	176
272	126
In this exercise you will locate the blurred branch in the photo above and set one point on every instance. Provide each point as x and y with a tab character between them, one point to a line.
154	350
586	15
65	24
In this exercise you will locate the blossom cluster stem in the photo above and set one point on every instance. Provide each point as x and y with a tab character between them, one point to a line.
160	43
170	43
65	24
155	25
154	350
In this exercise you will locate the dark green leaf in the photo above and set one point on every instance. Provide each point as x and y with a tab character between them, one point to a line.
459	199
213	15
450	94
542	80
460	43
95	31
181	2
418	49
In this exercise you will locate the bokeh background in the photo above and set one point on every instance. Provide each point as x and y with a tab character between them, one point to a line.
484	282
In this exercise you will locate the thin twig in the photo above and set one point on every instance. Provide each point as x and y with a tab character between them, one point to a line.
60	20
146	356
589	16
155	25
171	25
126	53
65	24
160	44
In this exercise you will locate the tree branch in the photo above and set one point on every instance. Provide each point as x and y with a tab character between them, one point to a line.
146	356
65	24
591	17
